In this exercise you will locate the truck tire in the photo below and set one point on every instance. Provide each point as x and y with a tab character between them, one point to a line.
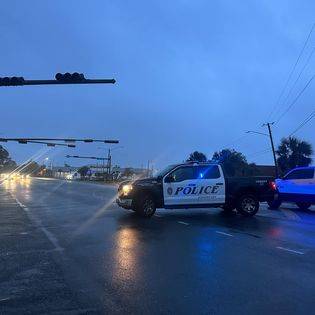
303	205
247	205
274	205
146	207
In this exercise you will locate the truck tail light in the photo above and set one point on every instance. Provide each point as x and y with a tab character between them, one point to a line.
273	185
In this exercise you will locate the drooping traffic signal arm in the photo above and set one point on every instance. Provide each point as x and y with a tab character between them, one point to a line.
86	81
87	157
60	78
50	144
67	140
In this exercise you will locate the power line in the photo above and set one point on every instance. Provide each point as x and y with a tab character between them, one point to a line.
236	140
309	118
297	98
292	71
261	152
296	81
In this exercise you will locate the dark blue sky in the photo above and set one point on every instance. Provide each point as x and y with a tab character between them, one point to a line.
191	75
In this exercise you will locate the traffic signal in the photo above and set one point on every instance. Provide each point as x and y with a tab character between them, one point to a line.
11	81
70	77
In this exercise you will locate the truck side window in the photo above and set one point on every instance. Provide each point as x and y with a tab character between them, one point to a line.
307	173
207	172
182	173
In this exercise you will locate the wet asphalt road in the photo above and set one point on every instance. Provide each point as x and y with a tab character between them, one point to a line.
66	248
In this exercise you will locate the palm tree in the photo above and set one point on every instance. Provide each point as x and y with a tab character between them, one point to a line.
292	153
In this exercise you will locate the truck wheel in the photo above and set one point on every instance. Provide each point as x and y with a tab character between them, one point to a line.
248	205
146	207
303	205
274	205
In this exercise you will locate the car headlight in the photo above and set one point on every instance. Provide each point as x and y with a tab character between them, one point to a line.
126	189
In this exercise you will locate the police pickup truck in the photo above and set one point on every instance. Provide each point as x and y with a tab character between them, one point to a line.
195	185
297	186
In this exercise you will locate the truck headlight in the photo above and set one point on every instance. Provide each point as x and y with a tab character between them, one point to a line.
126	189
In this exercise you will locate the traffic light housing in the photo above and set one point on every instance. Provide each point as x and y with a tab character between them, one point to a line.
70	77
12	81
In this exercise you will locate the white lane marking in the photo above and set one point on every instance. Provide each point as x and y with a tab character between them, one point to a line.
290	250
182	222
19	203
51	237
223	233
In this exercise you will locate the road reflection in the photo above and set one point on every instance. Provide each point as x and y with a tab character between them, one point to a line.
12	184
126	254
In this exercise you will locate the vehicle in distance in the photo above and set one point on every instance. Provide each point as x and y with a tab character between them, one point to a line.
297	186
195	185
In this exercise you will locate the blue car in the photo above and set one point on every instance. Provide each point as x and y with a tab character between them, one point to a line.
297	186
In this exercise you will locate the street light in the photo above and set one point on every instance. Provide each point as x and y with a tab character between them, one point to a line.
51	165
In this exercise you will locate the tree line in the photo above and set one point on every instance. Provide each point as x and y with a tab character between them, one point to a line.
7	164
291	153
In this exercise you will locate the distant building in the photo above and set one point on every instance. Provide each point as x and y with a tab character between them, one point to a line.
65	172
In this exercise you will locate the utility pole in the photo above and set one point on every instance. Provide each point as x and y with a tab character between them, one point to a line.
148	168
109	157
272	146
109	161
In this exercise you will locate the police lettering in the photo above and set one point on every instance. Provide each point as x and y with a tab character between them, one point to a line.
207	190
187	190
178	190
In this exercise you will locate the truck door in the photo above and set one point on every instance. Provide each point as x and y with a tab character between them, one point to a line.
175	185
194	185
212	179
